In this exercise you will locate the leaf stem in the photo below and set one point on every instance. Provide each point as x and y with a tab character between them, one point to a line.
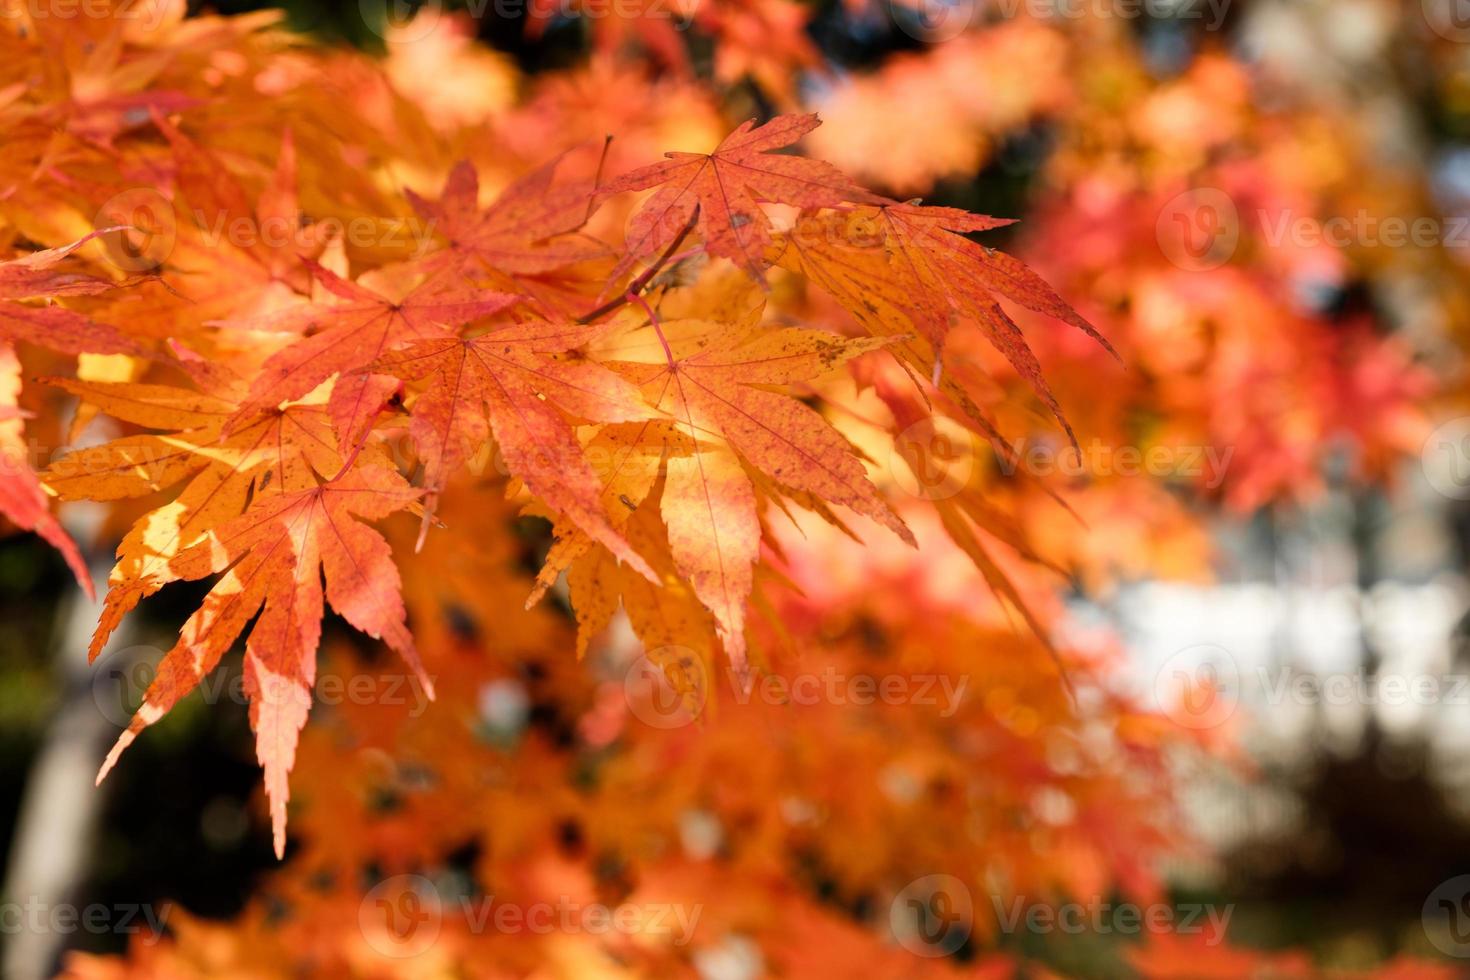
596	181
633	297
637	285
362	444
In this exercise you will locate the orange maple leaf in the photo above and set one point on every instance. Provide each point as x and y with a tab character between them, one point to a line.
510	383
712	380
274	556
531	227
350	334
274	453
726	187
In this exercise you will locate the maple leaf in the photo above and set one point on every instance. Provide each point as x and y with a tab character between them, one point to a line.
273	558
905	268
631	456
275	453
21	498
529	229
24	278
968	275
661	452
35	276
353	332
668	617
727	187
222	256
712	380
277	236
509	382
104	90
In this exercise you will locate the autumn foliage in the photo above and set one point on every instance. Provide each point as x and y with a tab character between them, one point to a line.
579	389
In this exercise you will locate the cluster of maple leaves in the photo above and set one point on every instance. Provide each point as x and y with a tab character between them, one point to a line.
277	458
711	374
